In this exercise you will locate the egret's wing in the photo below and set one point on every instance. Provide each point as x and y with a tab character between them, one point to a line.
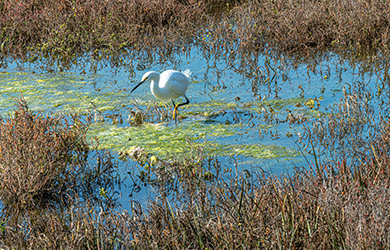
177	82
179	88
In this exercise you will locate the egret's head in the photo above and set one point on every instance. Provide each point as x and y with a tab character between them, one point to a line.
147	77
150	75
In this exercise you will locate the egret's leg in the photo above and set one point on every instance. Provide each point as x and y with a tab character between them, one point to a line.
176	109
184	103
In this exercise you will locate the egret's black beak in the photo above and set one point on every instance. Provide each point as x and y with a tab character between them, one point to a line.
139	84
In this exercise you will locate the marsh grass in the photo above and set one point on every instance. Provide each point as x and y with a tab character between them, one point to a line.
136	33
346	133
30	177
65	30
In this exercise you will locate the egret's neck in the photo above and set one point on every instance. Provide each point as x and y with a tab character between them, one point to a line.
154	83
155	88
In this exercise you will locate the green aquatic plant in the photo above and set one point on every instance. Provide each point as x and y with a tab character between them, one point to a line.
64	92
180	140
158	138
259	151
112	112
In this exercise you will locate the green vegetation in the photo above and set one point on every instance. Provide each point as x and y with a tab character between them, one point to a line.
74	93
64	92
179	141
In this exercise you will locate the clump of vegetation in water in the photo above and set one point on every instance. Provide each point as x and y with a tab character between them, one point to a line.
179	141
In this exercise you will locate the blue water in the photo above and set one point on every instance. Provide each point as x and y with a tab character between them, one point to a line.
108	91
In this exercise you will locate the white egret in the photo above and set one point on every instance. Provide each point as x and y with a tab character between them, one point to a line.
168	85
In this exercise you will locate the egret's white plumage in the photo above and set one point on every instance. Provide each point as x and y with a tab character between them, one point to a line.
168	85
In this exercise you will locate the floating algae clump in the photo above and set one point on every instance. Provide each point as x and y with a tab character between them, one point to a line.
63	92
157	138
181	140
261	151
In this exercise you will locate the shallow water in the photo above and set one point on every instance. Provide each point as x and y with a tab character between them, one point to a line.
238	117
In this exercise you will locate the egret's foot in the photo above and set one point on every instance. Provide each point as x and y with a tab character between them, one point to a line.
175	113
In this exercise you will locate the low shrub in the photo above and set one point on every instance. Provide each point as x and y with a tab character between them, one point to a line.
44	163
